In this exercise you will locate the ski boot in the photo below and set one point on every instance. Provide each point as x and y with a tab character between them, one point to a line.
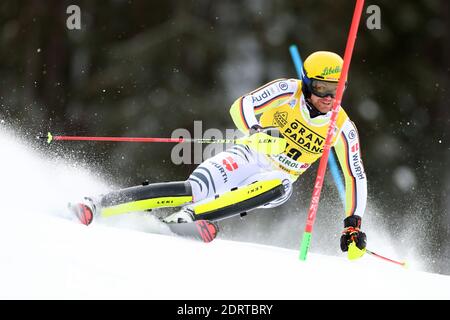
185	215
84	211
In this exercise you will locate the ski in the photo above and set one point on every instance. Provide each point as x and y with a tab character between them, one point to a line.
203	230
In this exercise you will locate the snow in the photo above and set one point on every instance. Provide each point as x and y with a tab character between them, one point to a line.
47	255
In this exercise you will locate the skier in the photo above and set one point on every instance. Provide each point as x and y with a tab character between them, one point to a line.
241	179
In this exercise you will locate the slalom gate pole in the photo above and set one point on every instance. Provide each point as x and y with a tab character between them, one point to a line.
295	55
306	240
403	264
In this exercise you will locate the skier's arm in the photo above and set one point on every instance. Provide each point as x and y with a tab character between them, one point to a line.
347	148
244	110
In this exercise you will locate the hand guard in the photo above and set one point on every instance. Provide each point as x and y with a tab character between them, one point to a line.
352	233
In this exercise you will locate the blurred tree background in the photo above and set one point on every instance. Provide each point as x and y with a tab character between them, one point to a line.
145	68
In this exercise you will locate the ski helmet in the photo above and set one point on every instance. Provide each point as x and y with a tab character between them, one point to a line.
321	72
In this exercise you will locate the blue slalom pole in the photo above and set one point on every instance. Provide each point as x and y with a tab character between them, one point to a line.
332	164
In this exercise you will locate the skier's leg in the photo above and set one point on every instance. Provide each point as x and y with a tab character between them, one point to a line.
227	176
138	198
216	175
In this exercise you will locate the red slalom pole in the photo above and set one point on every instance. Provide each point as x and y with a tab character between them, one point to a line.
314	205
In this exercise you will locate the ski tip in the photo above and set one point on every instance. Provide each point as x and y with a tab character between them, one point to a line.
202	230
208	230
82	212
405	264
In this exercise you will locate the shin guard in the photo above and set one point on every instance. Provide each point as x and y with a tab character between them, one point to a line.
146	197
239	200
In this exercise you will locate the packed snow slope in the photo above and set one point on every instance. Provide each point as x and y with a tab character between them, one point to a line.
44	254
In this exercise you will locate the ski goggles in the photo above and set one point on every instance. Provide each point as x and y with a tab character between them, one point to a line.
322	88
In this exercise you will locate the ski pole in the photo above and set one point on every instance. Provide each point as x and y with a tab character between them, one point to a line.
260	141
295	55
314	205
403	264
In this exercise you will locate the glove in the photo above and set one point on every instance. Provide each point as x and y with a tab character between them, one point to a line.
352	233
271	131
255	129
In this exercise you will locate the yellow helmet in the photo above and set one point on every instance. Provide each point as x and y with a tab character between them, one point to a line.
323	66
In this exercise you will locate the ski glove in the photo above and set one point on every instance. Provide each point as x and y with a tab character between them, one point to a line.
271	131
353	233
255	129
